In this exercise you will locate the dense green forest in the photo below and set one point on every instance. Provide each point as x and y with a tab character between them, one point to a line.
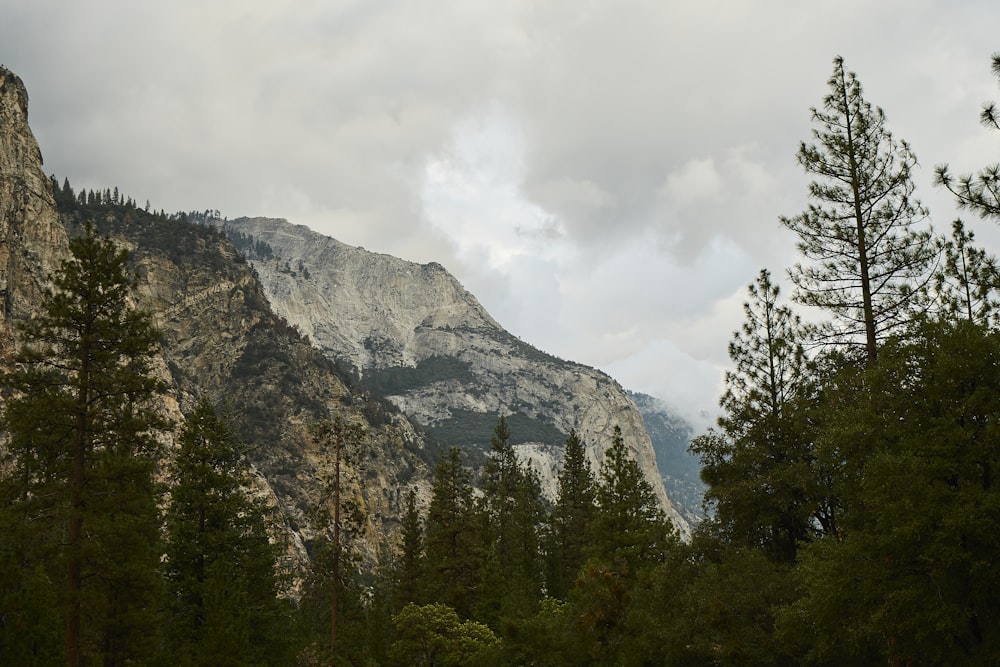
852	512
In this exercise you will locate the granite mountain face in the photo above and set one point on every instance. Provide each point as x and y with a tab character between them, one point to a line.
412	333
318	329
220	339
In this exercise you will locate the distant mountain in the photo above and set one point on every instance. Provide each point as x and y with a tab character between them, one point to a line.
413	333
681	470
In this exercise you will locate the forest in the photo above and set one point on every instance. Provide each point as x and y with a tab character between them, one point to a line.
852	517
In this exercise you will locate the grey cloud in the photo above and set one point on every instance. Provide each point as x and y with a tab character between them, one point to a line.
670	127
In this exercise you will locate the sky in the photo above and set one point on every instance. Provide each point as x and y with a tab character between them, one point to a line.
606	176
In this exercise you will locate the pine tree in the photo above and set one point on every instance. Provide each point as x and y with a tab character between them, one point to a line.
910	577
511	511
629	530
979	193
867	259
337	437
453	539
573	511
966	283
220	561
83	431
407	573
762	488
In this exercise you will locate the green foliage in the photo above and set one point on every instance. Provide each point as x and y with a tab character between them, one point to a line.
866	258
400	379
467	427
629	530
979	193
511	511
252	248
765	489
82	453
220	561
567	537
407	571
453	540
965	285
434	635
919	486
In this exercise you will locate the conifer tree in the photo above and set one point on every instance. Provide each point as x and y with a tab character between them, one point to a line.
762	489
453	540
83	427
966	283
910	578
338	438
979	193
408	570
220	561
573	511
511	511
629	529
866	257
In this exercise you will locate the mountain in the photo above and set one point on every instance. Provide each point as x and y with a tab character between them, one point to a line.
317	330
413	333
680	470
220	339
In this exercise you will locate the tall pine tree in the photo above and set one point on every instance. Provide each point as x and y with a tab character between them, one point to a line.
220	560
453	546
867	259
762	488
83	429
574	509
511	512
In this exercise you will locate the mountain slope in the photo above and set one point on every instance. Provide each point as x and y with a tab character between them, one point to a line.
413	332
220	339
681	470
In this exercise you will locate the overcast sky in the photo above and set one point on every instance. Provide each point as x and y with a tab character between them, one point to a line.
605	176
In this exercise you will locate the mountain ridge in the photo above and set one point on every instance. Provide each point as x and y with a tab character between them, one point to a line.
377	313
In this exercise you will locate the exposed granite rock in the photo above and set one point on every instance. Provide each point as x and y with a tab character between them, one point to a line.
681	470
32	240
220	339
379	314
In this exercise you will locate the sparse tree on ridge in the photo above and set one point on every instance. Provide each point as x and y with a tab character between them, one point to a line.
866	257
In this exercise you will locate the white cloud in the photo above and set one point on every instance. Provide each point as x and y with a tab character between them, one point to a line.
606	176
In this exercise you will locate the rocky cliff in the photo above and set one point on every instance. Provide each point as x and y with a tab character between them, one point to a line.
220	339
681	471
32	239
415	334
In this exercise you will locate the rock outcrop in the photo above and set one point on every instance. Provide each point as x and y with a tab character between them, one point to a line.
220	339
681	471
32	240
414	333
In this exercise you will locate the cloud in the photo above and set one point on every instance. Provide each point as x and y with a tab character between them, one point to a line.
605	176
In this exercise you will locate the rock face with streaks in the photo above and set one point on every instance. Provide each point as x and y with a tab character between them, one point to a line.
413	333
220	339
32	240
283	341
